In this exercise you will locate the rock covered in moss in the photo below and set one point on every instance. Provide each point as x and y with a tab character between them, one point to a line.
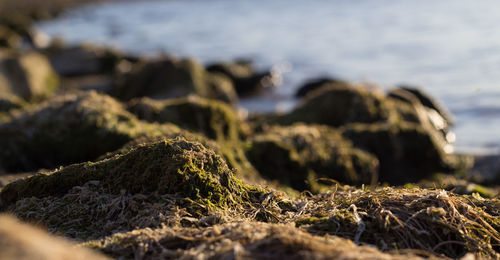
140	188
212	118
339	104
10	102
28	76
25	242
83	59
250	240
406	151
434	221
246	80
68	129
315	84
170	78
297	155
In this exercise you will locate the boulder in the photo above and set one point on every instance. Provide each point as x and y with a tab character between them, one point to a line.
171	78
28	75
339	104
68	129
245	79
24	242
9	38
83	59
407	152
214	119
316	84
141	188
299	155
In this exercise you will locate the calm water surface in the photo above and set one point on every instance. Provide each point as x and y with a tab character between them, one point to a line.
450	47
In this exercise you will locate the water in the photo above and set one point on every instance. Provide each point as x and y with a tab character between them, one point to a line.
450	47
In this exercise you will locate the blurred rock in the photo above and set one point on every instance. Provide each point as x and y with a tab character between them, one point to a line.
246	80
171	78
316	84
70	128
300	154
28	75
407	152
24	242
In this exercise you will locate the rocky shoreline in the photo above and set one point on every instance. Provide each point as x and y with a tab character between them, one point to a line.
151	158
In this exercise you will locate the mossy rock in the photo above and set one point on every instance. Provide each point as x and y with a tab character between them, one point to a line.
10	102
435	221
28	76
298	155
407	152
170	78
212	118
68	129
150	181
246	80
339	104
315	84
84	59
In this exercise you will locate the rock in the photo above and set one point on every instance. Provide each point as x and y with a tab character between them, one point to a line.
336	105
410	106
171	78
28	75
149	183
406	151
429	102
9	38
297	155
83	59
68	129
214	119
25	242
246	80
316	84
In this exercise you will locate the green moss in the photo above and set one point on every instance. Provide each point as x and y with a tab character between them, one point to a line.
68	129
336	105
299	155
214	119
166	173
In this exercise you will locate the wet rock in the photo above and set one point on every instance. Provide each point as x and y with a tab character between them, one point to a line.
406	151
340	104
428	101
28	75
25	242
246	80
83	59
68	129
299	155
171	78
142	188
215	119
316	84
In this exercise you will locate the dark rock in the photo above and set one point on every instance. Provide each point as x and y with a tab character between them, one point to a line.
336	105
68	129
316	84
300	154
246	80
406	151
171	78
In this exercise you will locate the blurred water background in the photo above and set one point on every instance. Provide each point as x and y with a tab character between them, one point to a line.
451	48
